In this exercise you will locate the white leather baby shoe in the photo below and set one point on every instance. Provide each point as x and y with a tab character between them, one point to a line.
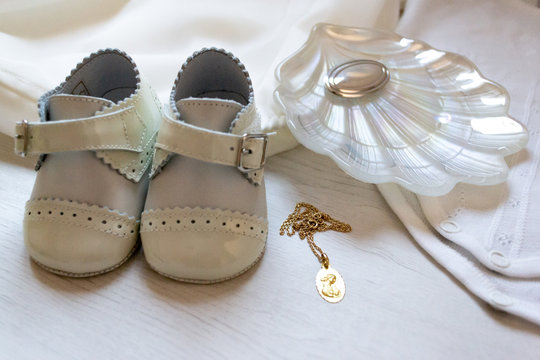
205	214
95	141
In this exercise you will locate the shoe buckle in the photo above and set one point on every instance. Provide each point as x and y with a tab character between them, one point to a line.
244	150
22	136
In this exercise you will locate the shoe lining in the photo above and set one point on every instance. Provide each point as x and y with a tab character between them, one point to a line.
109	75
213	74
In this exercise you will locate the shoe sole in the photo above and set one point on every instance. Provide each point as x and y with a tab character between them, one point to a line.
91	273
213	281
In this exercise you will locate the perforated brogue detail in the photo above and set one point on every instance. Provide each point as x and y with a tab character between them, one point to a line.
204	220
82	215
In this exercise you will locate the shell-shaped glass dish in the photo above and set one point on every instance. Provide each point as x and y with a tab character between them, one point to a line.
391	109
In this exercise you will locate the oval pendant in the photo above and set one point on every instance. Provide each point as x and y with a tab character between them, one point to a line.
330	285
357	78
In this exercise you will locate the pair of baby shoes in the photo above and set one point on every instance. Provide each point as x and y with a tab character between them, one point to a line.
114	166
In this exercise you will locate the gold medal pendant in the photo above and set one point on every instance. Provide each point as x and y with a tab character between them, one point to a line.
330	285
306	223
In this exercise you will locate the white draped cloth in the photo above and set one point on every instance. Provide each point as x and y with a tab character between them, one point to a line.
42	40
487	237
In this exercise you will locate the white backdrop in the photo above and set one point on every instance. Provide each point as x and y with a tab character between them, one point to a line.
43	40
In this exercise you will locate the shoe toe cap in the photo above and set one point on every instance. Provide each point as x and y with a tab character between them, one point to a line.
203	247
74	240
201	257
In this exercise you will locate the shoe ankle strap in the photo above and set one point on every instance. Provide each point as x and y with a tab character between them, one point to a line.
119	130
246	152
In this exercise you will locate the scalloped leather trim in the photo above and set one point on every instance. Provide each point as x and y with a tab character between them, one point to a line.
133	165
202	220
42	100
161	157
82	215
196	53
247	120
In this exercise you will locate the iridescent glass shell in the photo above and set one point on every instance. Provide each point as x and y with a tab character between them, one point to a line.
434	122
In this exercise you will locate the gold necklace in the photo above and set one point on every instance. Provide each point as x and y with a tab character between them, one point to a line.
306	223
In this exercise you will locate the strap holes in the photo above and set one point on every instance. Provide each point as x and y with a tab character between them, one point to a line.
163	222
150	223
193	221
89	219
74	215
29	213
61	213
224	224
132	231
39	212
119	226
231	148
142	161
50	212
237	225
132	170
178	221
208	221
104	222
251	228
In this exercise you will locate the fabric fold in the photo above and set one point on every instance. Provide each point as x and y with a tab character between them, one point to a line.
485	236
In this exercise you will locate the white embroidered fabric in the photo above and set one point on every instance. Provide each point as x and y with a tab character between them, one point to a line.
513	295
488	237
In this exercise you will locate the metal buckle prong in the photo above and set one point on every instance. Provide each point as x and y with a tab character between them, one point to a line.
23	137
243	150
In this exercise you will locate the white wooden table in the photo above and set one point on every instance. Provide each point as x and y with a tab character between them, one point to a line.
399	303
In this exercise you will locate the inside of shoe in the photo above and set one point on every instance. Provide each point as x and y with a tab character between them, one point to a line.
109	75
213	74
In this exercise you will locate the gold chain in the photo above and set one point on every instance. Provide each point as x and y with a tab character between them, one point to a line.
309	222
